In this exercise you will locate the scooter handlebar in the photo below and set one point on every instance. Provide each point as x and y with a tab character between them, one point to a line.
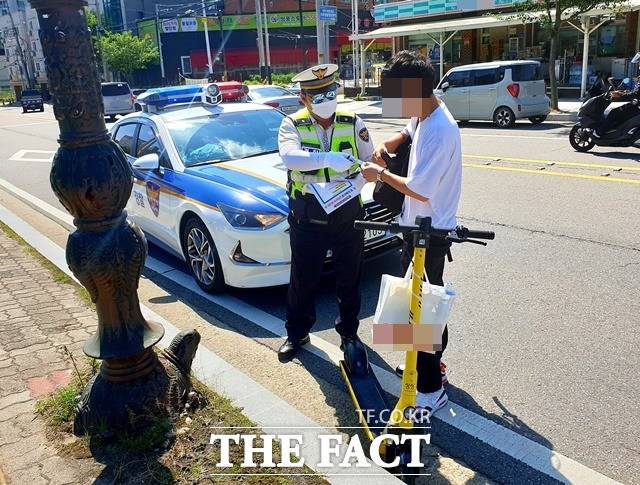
460	233
464	233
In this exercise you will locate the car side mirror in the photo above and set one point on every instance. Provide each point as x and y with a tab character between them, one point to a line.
445	86
150	161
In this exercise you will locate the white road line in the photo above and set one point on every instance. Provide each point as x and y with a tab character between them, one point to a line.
464	133
218	374
28	124
19	156
535	455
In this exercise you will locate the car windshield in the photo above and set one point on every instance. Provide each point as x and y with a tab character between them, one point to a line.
227	136
31	92
269	92
115	89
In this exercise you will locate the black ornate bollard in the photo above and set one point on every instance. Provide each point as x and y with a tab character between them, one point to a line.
92	179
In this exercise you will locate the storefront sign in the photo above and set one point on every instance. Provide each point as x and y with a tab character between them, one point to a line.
229	22
188	24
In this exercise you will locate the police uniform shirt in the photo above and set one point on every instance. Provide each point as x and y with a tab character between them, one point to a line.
289	139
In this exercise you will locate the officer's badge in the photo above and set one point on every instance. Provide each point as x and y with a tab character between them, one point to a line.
153	196
320	73
364	134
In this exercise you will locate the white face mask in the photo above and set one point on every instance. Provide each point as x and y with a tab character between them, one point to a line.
326	109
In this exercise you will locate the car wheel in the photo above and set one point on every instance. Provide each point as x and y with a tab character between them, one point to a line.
201	256
25	110
536	120
504	117
581	140
42	110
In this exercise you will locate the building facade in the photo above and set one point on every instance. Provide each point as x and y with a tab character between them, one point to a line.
471	39
21	56
183	43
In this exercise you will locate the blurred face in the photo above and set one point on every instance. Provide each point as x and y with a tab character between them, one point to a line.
405	97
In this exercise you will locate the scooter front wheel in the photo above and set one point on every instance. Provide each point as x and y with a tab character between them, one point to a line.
580	139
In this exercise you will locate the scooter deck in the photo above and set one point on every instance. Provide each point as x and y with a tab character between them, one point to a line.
368	399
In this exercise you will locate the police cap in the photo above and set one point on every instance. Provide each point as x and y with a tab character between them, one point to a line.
317	77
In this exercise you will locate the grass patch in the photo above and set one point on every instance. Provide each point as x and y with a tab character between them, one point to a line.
57	274
59	409
170	451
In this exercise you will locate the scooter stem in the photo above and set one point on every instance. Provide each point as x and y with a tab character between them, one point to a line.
410	375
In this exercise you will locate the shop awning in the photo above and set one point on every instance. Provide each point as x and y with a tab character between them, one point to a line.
479	22
440	26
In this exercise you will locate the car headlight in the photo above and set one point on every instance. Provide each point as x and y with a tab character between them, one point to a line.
244	219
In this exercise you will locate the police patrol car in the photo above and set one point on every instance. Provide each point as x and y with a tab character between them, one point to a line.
210	187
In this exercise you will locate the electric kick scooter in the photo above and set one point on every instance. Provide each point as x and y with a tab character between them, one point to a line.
368	396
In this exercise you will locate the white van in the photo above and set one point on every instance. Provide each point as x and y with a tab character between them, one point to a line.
118	99
501	91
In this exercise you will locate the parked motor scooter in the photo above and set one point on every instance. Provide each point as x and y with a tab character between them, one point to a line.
587	132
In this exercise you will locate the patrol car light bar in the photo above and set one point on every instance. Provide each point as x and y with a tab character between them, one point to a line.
156	99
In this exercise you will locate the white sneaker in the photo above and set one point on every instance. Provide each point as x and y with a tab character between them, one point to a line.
432	401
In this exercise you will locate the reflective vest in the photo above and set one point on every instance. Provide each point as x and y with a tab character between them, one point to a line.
343	139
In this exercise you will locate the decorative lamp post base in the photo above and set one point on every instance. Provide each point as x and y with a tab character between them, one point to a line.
112	405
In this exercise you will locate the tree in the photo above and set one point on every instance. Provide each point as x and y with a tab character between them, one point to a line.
125	53
550	14
95	29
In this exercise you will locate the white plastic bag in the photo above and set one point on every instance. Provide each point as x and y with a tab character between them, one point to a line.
391	328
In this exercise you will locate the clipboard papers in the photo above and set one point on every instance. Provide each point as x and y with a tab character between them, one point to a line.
333	195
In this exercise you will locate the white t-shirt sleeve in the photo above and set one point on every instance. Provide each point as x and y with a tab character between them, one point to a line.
364	142
410	128
432	160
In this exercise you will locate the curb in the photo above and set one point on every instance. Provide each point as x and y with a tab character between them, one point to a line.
566	117
258	404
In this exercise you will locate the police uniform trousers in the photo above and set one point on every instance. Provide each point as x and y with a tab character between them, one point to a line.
428	366
312	234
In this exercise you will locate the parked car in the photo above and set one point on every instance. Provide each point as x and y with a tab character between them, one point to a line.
210	187
136	93
233	91
275	96
31	100
118	99
499	91
294	88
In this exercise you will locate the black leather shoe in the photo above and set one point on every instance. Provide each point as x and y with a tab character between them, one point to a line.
344	340
289	348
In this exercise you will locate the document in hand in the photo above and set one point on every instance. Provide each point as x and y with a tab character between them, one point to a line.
333	195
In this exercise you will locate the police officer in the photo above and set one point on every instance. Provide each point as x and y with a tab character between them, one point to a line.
322	144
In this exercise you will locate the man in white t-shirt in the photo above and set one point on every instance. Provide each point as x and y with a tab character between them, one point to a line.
431	187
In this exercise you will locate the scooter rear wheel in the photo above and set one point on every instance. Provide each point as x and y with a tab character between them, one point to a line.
581	140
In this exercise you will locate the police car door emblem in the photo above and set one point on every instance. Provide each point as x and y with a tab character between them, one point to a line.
153	196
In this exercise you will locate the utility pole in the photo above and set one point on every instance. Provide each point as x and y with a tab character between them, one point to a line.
100	28
23	60
206	37
303	56
266	36
357	52
261	55
320	44
159	36
224	58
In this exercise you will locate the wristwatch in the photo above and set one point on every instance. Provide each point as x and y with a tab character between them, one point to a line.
379	175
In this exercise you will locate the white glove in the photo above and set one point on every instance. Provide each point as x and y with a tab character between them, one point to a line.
340	162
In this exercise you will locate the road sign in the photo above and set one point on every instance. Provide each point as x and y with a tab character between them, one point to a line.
327	13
